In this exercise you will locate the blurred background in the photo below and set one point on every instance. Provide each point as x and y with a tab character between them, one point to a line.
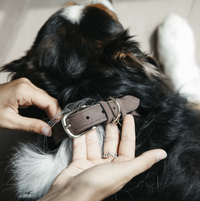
20	21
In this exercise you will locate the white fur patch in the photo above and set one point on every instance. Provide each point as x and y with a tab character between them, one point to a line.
176	48
73	13
34	171
106	3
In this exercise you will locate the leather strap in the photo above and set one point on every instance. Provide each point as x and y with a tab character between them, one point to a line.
102	112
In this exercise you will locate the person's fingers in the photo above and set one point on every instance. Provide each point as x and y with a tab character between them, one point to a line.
142	163
28	124
24	80
93	147
44	101
35	87
116	175
20	94
127	143
79	148
111	140
28	94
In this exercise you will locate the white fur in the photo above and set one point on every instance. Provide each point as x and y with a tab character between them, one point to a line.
106	3
35	170
73	13
176	50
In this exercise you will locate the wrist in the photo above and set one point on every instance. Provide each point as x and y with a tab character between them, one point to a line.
72	191
77	190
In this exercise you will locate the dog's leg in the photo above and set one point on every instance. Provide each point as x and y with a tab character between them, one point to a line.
176	51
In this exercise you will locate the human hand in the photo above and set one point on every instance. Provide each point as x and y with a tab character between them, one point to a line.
89	177
21	93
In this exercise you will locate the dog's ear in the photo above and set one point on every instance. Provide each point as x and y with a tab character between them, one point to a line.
139	62
126	51
17	68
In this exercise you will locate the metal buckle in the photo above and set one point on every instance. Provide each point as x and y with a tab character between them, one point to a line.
117	117
67	126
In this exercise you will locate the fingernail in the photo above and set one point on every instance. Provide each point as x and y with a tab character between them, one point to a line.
46	131
161	155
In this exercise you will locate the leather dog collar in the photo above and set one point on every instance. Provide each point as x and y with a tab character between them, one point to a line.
85	118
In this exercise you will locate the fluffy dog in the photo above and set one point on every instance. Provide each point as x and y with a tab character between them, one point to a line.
81	55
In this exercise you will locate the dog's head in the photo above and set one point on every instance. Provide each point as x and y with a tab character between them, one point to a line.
84	51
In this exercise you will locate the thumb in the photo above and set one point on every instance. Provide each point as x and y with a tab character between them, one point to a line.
32	125
144	162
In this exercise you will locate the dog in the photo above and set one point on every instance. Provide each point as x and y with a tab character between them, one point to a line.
83	55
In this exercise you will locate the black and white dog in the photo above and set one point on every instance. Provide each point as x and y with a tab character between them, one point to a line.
83	55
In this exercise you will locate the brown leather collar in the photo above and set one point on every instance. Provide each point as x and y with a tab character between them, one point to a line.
83	119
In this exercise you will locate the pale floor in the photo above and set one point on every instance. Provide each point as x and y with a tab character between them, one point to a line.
20	21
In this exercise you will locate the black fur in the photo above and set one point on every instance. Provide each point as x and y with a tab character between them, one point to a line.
98	59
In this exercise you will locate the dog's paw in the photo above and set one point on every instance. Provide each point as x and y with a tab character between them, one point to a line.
176	51
175	42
